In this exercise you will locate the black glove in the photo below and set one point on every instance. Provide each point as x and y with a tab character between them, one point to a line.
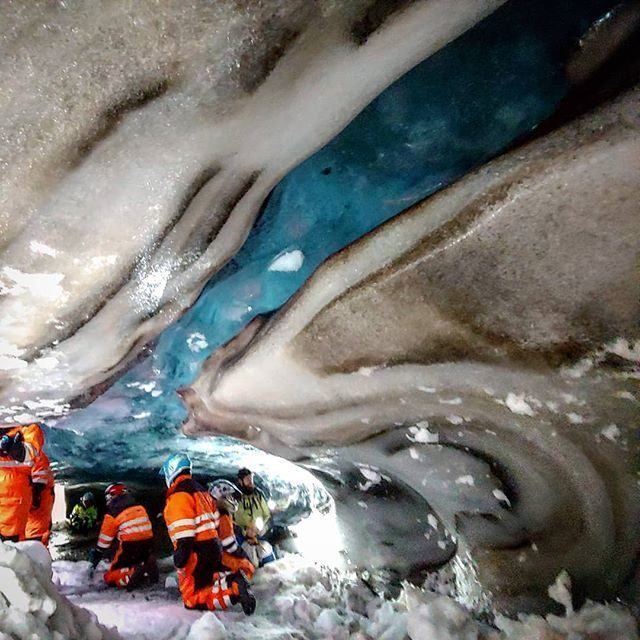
37	490
182	552
95	555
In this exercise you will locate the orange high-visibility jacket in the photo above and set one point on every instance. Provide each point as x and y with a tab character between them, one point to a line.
33	439
227	534
14	475
128	524
41	472
15	481
190	511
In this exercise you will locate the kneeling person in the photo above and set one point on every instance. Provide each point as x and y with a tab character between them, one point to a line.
128	524
233	557
192	520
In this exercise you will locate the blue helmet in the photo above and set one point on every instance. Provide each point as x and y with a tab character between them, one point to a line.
174	465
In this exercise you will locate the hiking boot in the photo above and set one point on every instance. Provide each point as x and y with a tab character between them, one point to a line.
151	572
137	578
246	599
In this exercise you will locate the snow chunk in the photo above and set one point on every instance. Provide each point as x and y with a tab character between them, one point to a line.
612	432
40	285
43	249
427	389
47	363
197	342
371	476
288	261
433	521
366	371
466	480
9	363
434	617
450	400
421	433
455	419
575	418
208	627
501	495
171	583
519	405
32	608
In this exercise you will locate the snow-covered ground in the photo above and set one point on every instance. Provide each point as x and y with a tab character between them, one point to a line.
297	599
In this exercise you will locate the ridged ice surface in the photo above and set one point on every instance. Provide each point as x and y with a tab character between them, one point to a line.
170	171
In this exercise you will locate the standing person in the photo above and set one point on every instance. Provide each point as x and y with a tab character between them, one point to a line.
84	516
42	486
19	447
126	524
226	496
253	518
192	520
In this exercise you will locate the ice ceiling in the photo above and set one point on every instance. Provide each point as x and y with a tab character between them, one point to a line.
173	173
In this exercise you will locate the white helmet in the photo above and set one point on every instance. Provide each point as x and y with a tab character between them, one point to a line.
225	493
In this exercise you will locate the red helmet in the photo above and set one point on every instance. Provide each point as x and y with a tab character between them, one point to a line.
114	490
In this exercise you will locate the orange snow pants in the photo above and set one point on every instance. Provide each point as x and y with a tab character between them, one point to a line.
214	594
128	556
235	563
39	520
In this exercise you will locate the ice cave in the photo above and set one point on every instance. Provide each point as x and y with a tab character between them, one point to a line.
370	265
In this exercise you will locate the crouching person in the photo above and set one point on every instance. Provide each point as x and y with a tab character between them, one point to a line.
192	520
226	496
126	525
253	519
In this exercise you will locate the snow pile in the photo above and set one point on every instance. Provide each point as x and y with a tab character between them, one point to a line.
437	617
32	608
297	599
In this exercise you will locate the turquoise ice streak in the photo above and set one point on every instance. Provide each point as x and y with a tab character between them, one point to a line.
449	114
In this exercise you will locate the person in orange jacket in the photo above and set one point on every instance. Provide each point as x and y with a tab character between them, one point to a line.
19	447
192	521
126	524
226	495
42	498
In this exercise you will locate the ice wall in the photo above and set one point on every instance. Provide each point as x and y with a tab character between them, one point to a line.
451	112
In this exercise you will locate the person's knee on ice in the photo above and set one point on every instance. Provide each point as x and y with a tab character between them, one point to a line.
192	520
126	526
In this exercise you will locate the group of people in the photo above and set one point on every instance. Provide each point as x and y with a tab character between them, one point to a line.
218	533
26	485
218	537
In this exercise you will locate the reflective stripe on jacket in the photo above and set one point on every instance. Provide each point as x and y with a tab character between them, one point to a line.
190	511
125	521
41	472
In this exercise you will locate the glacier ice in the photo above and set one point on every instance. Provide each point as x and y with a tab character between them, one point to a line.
465	325
157	148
